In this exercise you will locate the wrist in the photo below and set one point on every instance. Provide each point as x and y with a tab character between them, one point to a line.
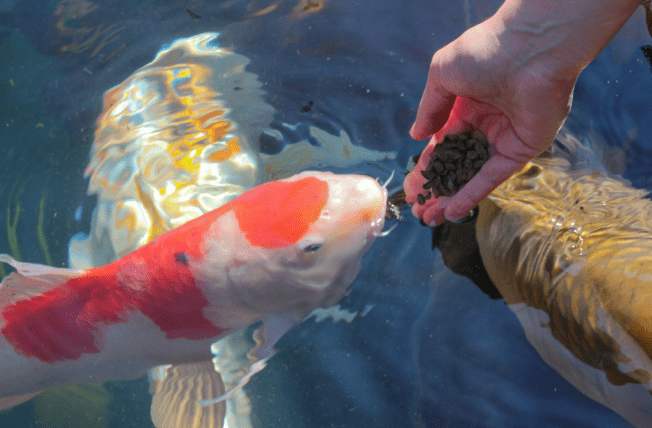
558	38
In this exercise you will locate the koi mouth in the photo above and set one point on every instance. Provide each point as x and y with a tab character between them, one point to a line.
392	211
396	204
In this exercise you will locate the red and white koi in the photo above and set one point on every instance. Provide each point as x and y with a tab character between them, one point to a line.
273	254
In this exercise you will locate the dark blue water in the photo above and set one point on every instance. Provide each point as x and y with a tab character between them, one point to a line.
434	351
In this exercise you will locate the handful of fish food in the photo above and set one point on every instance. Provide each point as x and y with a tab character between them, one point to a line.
454	162
270	256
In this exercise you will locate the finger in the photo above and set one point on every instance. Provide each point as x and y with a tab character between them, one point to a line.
414	181
413	185
433	215
434	108
497	169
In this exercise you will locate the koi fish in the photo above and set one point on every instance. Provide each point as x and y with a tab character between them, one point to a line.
569	247
272	255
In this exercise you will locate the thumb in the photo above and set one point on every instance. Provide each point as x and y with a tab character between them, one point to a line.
434	108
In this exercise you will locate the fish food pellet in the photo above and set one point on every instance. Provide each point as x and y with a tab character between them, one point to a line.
454	162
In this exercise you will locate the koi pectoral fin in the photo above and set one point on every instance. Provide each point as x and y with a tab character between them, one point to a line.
176	391
265	338
253	369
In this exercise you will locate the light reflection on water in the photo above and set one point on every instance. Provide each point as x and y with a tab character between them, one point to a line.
433	350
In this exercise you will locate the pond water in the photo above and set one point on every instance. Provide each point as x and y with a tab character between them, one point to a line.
431	349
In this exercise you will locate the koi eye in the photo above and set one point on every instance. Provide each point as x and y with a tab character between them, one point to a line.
312	248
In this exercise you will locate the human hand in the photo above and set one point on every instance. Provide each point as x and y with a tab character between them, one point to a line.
516	98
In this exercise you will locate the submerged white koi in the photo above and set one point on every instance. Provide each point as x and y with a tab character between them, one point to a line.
273	254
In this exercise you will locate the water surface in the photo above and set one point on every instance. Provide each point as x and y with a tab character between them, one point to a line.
434	350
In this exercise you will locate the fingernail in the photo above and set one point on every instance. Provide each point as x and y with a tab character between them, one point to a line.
469	216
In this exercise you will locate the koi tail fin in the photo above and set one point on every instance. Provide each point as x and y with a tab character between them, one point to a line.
9	402
31	280
40	317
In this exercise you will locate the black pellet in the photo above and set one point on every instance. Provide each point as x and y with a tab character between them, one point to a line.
450	186
429	184
456	154
443	154
192	14
428	175
307	107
